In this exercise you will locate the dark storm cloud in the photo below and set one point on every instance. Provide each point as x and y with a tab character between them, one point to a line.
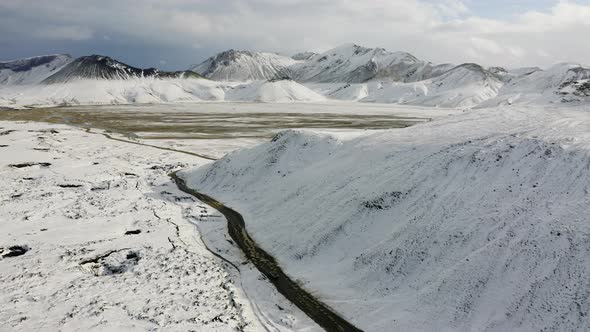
174	34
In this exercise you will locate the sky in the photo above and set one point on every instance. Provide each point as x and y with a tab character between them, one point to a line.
174	34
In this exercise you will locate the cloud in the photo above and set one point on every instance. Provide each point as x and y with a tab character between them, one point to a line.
438	31
452	8
65	33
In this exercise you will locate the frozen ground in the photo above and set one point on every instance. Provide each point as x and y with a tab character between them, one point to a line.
214	129
109	243
474	222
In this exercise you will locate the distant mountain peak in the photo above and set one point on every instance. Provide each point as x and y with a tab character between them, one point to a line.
102	67
232	65
303	56
352	63
31	70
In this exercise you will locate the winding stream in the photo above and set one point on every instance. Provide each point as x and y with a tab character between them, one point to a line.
265	263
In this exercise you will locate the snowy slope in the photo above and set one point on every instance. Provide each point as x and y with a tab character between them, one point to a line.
272	91
464	86
508	74
474	222
132	90
303	56
562	83
241	66
153	90
351	63
31	70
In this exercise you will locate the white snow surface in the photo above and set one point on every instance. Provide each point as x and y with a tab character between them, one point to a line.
153	90
82	272
160	278
473	222
31	70
272	92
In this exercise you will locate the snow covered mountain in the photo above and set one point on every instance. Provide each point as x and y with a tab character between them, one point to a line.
31	70
562	83
99	67
508	74
241	66
349	72
303	56
463	86
356	64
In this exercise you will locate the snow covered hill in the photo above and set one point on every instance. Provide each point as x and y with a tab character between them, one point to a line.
99	67
562	83
474	222
92	92
31	70
241	66
272	91
150	90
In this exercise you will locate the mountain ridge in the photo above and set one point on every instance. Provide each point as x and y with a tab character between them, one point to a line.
232	65
349	72
31	70
107	68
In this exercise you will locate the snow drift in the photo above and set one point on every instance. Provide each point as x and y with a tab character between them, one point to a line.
475	222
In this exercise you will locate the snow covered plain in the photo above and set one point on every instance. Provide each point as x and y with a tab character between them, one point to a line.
474	222
149	90
110	244
214	129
